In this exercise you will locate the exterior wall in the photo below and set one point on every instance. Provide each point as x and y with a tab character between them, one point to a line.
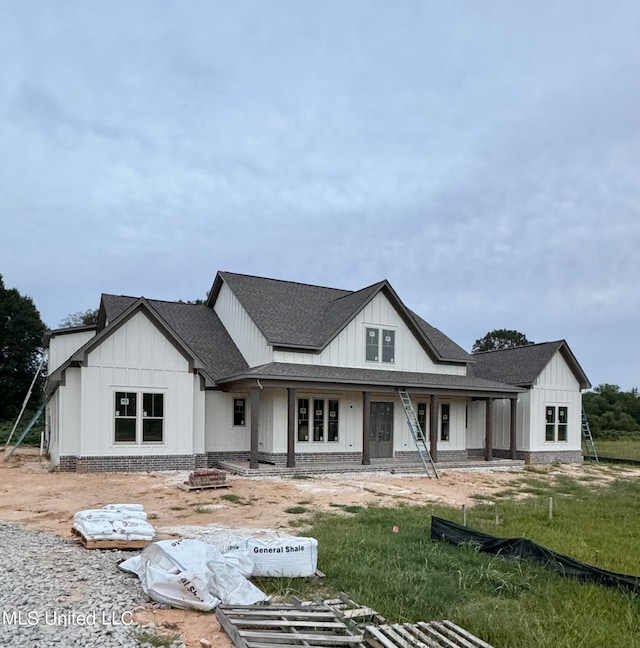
63	345
348	347
136	357
221	435
556	386
246	335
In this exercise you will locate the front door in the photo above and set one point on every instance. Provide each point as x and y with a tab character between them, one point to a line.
381	430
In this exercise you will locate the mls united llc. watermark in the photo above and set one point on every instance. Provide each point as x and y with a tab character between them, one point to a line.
65	618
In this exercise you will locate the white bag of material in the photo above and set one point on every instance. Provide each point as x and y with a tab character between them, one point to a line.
124	507
181	573
289	556
130	527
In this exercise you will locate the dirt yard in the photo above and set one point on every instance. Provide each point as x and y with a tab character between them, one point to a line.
37	498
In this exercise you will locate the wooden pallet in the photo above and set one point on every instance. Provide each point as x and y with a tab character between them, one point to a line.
110	544
266	626
186	486
437	634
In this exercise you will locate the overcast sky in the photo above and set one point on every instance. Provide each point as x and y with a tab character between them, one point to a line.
484	157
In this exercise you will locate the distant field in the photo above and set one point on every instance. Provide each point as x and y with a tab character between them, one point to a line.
623	449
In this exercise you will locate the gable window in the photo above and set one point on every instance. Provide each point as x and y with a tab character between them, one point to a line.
444	422
239	412
138	417
380	345
320	424
372	345
556	423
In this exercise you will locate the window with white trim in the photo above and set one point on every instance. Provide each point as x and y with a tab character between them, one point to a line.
556	423
380	345
320	424
138	417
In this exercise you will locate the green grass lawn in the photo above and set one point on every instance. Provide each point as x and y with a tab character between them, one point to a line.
407	577
619	449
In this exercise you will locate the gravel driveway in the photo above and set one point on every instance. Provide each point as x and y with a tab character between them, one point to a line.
54	592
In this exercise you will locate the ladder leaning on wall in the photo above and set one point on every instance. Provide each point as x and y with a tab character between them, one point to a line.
417	433
587	438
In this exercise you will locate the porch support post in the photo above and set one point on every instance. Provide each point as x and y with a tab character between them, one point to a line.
433	428
291	427
488	433
255	416
512	427
366	424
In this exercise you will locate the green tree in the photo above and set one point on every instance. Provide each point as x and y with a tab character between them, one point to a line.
21	331
611	412
500	339
86	318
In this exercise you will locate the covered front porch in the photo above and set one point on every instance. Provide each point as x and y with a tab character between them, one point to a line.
291	429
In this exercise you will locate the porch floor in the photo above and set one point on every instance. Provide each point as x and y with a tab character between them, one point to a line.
377	465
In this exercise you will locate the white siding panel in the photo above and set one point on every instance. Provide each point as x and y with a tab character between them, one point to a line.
556	386
246	335
220	433
70	420
347	349
63	346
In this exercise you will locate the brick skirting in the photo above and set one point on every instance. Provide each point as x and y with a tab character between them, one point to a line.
543	456
132	463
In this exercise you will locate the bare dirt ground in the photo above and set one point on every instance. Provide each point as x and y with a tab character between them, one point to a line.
38	498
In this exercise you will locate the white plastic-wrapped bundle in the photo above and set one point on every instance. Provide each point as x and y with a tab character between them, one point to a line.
114	522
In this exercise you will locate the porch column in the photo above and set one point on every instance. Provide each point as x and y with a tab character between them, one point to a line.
255	415
433	428
488	433
366	424
291	427
512	427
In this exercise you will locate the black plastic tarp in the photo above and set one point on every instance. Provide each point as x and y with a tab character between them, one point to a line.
456	534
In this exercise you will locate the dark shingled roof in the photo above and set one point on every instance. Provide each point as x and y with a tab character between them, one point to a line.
304	316
197	326
522	365
354	375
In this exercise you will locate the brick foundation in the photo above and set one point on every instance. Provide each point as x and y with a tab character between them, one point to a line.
132	463
443	455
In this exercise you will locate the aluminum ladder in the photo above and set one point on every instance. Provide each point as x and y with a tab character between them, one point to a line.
587	438
417	433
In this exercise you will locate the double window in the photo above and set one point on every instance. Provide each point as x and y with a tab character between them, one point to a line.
380	345
556	421
423	420
320	423
139	417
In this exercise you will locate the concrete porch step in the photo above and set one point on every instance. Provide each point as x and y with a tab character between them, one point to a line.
396	467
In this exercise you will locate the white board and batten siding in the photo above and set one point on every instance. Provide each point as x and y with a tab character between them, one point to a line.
137	357
347	349
247	336
556	385
63	345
